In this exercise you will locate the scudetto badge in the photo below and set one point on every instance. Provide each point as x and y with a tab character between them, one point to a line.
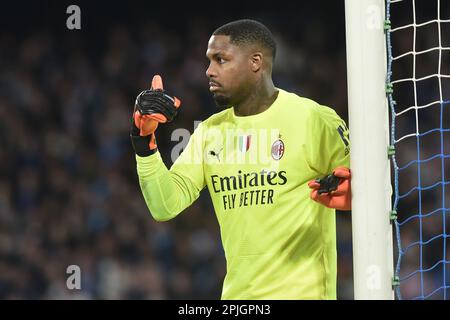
277	149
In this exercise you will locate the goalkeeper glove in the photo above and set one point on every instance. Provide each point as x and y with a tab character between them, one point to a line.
333	191
152	107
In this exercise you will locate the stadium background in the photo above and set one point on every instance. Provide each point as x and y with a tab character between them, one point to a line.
68	187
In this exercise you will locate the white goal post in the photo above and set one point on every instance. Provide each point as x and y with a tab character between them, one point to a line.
369	135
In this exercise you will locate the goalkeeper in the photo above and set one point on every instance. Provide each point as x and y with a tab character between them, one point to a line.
277	220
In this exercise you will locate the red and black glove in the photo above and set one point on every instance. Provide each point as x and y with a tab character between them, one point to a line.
152	107
333	191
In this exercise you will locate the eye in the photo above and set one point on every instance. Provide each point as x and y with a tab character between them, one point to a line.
220	60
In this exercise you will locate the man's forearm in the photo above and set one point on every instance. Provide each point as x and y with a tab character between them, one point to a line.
160	188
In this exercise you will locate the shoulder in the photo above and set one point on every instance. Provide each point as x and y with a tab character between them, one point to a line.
325	115
317	117
295	101
218	118
309	108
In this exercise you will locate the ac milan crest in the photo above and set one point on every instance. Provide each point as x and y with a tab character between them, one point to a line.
277	149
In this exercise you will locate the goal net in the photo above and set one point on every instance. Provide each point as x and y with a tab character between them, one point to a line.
418	87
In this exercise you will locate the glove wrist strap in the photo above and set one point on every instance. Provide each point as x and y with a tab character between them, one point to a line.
141	145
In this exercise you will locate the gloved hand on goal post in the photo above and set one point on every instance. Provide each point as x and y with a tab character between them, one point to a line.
334	190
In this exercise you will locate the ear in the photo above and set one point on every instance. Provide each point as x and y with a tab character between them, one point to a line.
256	61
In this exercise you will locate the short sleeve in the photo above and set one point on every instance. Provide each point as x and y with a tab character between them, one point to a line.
329	142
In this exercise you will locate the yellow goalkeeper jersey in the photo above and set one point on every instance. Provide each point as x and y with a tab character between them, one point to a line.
278	243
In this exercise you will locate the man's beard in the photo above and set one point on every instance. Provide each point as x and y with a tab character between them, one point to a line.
222	102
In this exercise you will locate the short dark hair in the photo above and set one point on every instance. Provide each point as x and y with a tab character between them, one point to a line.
248	31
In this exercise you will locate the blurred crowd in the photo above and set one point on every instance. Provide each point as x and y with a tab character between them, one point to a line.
69	193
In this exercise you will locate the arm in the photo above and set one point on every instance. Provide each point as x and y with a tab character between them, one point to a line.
331	155
330	144
166	192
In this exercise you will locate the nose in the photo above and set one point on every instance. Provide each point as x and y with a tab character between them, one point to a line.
210	72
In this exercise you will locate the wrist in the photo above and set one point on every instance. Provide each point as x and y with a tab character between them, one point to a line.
141	145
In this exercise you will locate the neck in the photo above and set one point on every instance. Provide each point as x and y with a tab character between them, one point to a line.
260	99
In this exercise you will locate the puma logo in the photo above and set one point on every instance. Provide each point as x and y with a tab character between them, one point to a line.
215	154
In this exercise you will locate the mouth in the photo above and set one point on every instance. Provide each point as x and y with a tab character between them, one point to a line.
213	86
